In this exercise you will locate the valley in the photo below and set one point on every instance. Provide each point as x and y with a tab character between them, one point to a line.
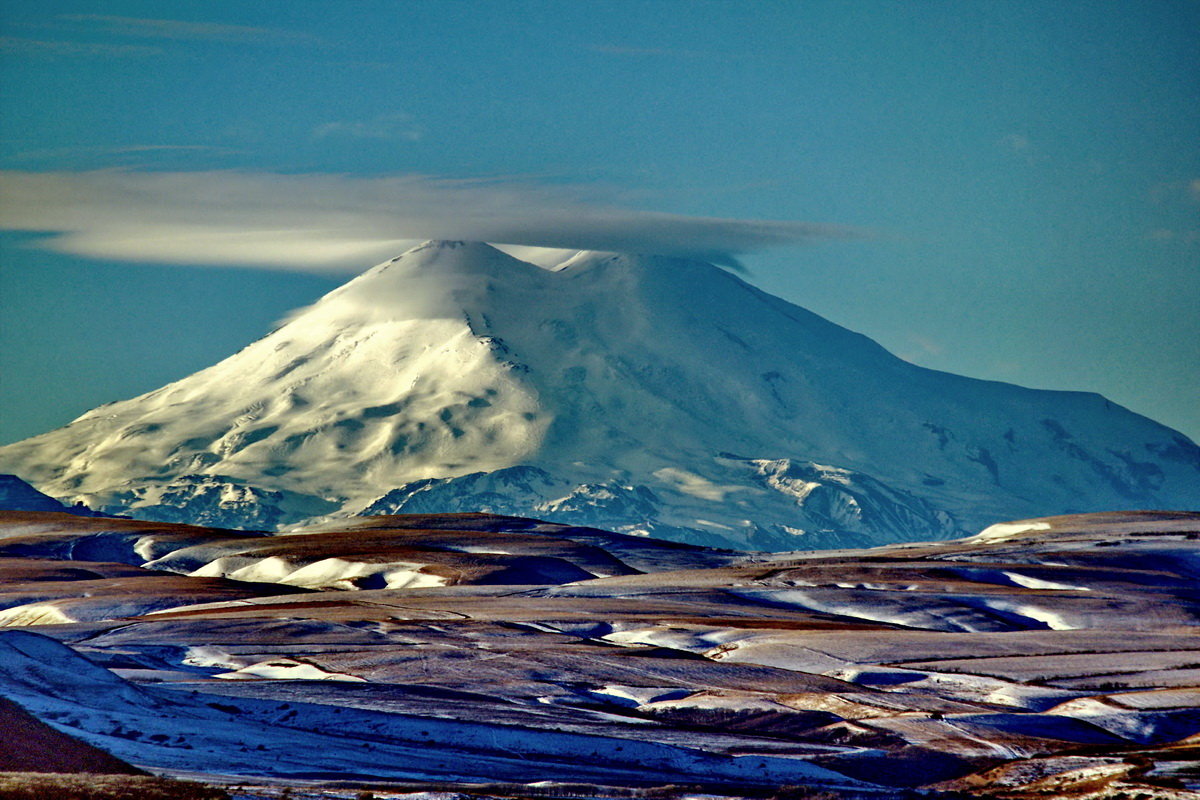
483	651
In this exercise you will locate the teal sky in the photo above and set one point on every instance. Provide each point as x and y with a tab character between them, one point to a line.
1007	190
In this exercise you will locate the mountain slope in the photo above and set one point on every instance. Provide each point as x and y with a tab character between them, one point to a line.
17	495
29	745
634	392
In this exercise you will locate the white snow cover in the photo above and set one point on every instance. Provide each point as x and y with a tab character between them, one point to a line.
653	393
287	669
33	614
317	739
1030	582
1003	531
328	573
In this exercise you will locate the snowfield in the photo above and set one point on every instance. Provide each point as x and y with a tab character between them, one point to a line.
643	394
617	661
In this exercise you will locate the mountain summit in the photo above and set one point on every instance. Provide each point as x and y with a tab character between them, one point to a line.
640	393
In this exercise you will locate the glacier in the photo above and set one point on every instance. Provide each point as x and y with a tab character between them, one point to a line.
651	395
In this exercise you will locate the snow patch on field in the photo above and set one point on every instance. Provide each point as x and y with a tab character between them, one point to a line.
1038	583
985	689
1004	531
33	614
328	573
634	696
696	640
266	570
287	669
1159	698
1053	620
935	614
144	547
211	656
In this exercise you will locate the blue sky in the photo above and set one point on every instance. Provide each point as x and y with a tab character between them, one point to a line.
1008	190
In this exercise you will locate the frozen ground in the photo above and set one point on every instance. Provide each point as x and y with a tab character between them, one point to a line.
1055	656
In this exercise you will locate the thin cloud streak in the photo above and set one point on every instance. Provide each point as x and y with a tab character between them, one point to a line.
338	223
620	50
118	150
40	47
180	30
396	127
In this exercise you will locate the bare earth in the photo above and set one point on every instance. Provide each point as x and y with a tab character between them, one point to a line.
1046	658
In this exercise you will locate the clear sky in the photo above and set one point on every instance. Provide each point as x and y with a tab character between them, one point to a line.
1007	190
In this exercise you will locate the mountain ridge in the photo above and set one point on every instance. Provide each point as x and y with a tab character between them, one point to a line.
665	381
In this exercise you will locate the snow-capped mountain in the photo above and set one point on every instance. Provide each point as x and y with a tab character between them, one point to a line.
639	393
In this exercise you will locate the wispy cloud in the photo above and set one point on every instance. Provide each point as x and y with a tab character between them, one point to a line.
50	47
1174	192
24	154
1174	236
100	35
151	148
180	30
1022	148
117	150
922	349
1016	143
386	127
322	222
621	50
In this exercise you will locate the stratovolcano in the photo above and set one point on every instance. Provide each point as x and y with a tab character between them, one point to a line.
638	393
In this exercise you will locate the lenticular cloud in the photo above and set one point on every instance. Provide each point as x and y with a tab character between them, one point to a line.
337	222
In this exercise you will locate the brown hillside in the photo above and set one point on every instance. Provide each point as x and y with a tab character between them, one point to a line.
29	745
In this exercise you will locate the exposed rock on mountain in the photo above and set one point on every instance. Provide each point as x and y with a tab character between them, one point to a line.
648	394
